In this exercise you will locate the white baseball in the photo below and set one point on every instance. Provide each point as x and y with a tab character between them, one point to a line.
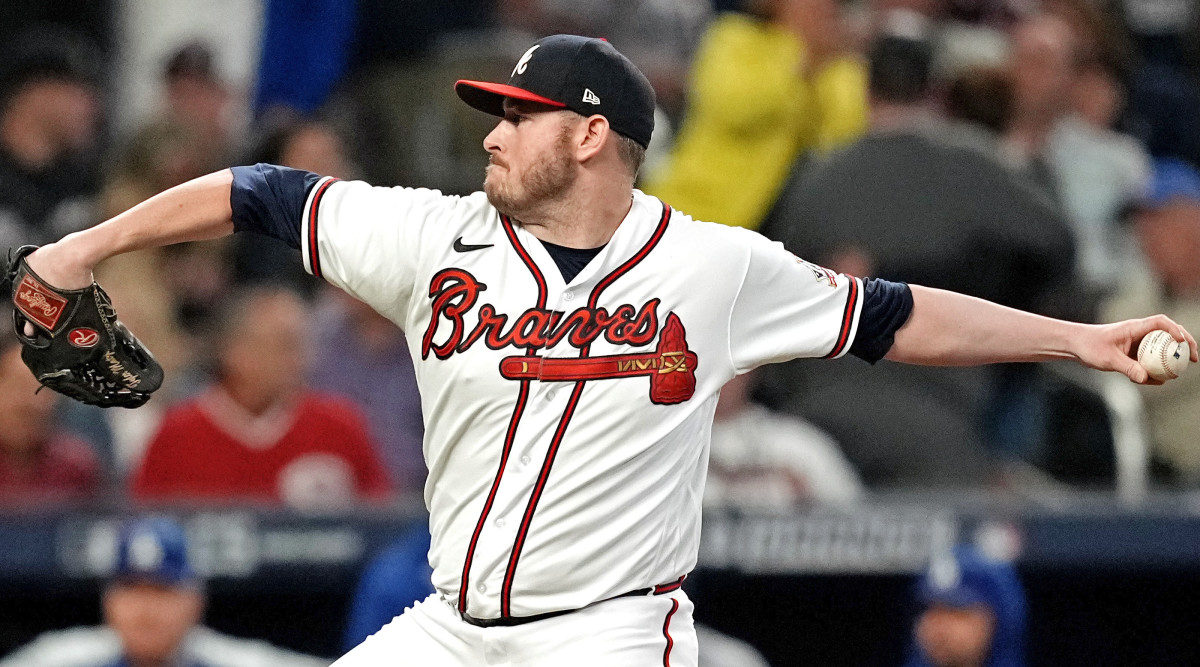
1162	356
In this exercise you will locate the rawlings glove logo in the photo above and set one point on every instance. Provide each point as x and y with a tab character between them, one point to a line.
38	303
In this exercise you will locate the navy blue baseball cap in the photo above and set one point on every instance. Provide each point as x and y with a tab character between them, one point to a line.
586	75
964	577
153	549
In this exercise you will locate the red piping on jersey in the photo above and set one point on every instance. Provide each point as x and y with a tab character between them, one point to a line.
531	507
314	260
512	424
667	633
847	320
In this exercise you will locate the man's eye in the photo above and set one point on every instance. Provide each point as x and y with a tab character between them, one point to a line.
513	118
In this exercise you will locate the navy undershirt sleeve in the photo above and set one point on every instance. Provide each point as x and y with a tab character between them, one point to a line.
885	308
270	200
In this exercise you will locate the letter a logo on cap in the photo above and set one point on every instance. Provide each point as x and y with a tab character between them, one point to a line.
590	97
523	63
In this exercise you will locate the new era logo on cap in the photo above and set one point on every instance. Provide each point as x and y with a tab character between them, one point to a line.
586	75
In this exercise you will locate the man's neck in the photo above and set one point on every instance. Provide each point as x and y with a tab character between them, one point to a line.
887	117
587	217
253	403
1029	133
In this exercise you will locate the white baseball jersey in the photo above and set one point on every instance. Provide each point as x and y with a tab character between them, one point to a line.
567	424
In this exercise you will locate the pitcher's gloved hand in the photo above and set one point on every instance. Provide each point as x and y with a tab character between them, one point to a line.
74	342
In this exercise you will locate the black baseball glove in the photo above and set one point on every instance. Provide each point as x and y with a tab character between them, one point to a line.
78	348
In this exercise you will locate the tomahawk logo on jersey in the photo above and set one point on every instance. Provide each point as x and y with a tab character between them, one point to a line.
552	493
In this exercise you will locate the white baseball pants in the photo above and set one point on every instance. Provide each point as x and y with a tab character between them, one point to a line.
645	631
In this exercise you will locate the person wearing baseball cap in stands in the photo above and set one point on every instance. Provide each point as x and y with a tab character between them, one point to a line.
152	605
973	613
1165	220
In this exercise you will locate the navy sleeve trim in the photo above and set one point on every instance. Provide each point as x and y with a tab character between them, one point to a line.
886	307
269	200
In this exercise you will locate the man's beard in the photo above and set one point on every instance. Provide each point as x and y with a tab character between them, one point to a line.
544	182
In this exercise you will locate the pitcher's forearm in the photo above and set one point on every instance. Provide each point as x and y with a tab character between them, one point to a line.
194	211
951	329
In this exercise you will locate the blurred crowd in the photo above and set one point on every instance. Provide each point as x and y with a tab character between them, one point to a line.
1041	154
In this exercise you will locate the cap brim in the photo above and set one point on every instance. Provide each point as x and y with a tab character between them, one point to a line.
489	97
178	580
958	598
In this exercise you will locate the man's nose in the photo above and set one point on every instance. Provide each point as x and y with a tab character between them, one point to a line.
491	143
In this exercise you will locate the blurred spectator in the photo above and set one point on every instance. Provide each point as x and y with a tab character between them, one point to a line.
49	116
300	143
767	88
924	211
38	462
153	606
1098	171
1167	224
763	460
1042	70
199	102
258	434
1093	171
973	612
174	290
1067	96
400	576
363	356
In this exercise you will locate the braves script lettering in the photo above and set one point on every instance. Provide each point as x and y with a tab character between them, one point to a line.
455	292
671	367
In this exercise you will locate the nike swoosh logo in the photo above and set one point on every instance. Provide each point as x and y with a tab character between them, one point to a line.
459	246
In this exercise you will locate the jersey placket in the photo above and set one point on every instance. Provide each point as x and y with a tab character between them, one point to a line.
540	402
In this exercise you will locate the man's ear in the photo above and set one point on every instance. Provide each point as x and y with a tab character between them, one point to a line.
596	134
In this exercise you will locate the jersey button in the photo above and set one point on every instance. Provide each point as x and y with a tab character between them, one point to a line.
500	522
568	296
482	588
526	460
550	395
